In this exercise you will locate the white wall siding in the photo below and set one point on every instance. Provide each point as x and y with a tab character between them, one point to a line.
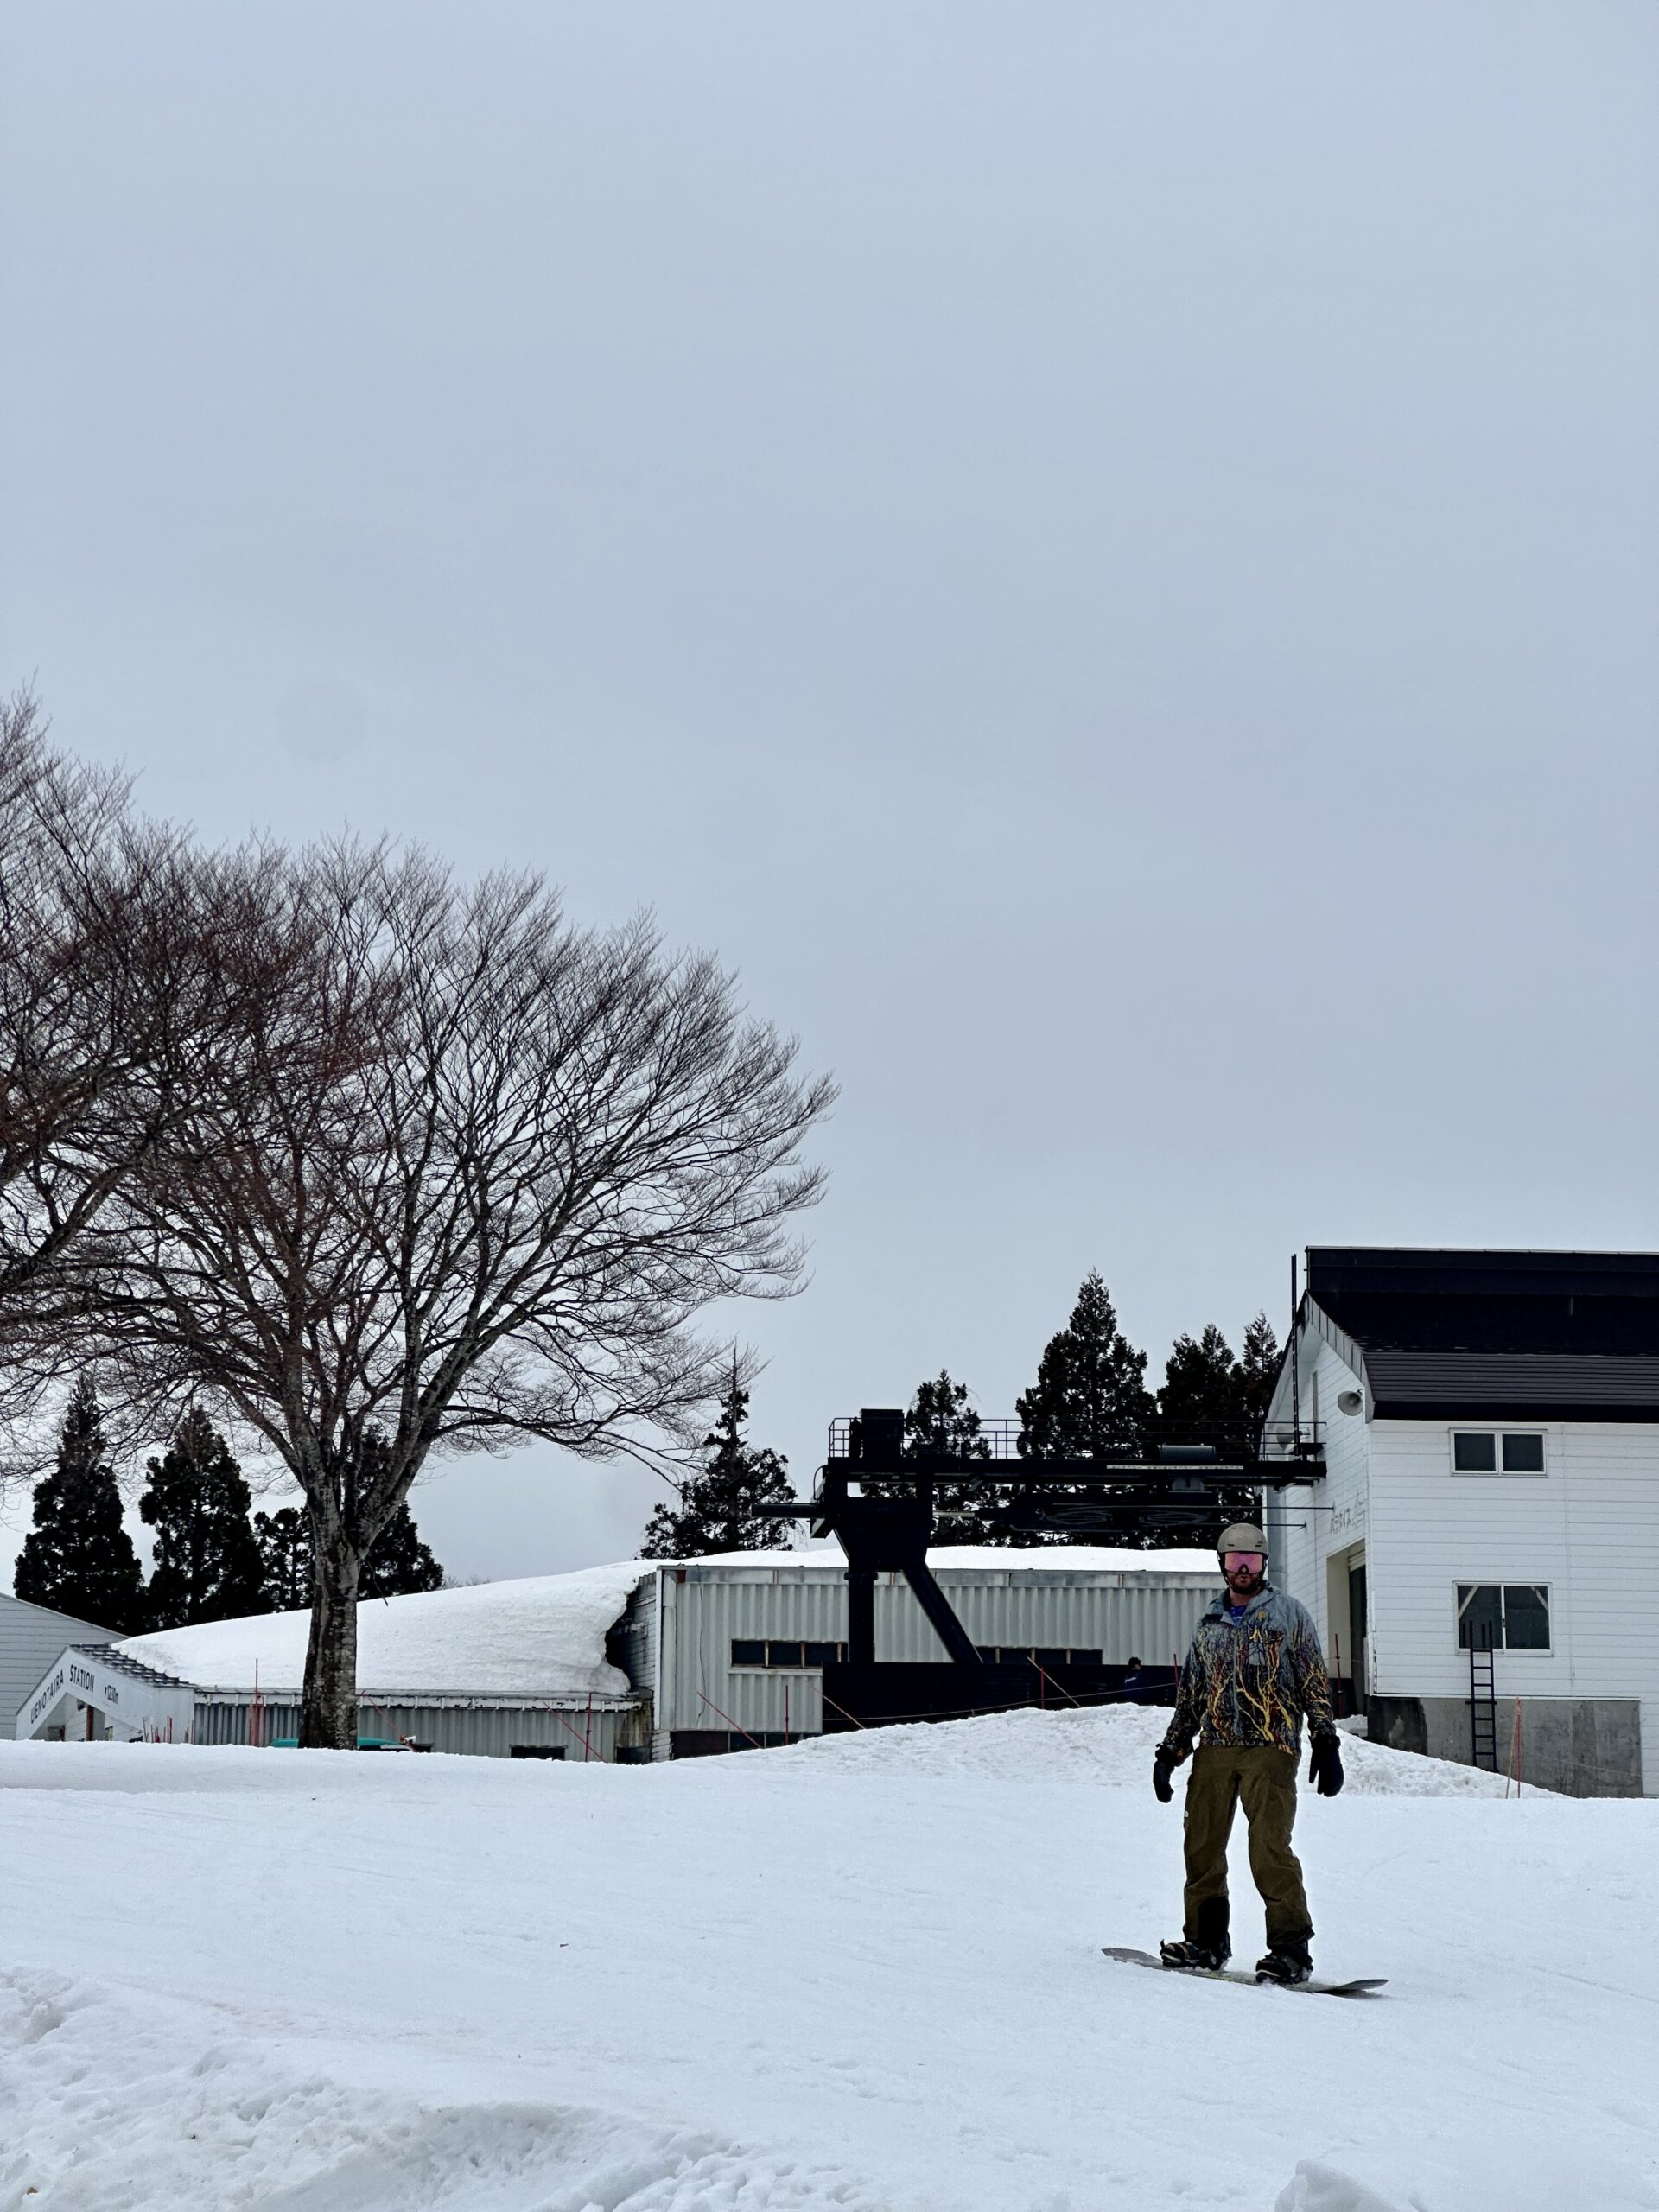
1309	1523
1588	1528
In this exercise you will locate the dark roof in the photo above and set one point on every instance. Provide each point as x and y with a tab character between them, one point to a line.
123	1663
1559	1336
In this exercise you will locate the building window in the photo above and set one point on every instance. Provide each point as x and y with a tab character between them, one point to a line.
752	1651
1491	1452
1509	1616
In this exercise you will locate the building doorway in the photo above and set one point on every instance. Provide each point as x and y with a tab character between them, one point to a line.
1357	1627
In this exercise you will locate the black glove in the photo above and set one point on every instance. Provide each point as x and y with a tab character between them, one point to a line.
1162	1767
1324	1767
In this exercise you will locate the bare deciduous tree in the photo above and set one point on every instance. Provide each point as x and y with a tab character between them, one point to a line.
472	1177
103	1001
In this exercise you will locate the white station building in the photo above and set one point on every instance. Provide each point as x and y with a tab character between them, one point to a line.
1483	1553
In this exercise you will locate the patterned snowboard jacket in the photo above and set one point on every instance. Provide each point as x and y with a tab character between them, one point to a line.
1249	1685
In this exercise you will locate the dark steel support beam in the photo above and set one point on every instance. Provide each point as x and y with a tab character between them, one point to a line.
860	1616
934	1603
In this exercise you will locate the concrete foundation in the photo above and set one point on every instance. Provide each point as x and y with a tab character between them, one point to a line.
1586	1747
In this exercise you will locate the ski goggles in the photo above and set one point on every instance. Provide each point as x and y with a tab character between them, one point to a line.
1252	1561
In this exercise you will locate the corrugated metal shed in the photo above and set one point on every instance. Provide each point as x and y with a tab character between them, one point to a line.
709	1608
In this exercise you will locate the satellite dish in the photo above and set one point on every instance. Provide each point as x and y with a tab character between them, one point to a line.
1349	1401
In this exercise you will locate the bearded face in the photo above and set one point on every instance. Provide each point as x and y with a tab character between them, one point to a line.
1244	1572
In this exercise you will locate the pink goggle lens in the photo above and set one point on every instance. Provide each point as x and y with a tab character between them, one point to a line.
1233	1561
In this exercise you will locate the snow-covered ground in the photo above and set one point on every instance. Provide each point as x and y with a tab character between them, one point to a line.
862	1973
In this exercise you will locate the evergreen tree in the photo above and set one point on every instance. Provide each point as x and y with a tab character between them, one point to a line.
1258	1369
1090	1394
1202	1383
400	1563
1089	1401
1225	1401
284	1542
942	1424
715	1511
206	1563
77	1558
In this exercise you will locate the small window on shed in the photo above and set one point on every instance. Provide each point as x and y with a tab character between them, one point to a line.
785	1655
1523	1455
1046	1658
748	1651
1085	1658
825	1655
1474	1451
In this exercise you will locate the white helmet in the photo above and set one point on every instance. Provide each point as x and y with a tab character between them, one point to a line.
1241	1537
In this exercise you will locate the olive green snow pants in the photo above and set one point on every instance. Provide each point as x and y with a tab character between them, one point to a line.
1264	1782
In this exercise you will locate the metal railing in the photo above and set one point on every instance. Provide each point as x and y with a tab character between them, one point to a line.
876	1441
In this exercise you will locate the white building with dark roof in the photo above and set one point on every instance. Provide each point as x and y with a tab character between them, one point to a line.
1482	1552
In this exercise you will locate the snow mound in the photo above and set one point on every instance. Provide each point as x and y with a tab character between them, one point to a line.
1110	1744
170	2114
540	1636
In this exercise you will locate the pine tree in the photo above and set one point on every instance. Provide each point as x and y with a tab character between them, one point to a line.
1089	1401
1223	1399
284	1542
716	1512
1258	1369
206	1564
1201	1382
942	1424
399	1563
77	1558
1090	1395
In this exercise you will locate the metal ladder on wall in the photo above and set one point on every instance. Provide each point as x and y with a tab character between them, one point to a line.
1483	1704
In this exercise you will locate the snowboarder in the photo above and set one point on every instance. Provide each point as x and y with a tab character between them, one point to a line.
1254	1670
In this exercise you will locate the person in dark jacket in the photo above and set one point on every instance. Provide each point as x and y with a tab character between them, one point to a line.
1253	1673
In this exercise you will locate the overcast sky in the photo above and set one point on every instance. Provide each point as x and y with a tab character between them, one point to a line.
1103	556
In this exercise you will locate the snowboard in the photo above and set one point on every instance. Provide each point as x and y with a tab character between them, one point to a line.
1362	1988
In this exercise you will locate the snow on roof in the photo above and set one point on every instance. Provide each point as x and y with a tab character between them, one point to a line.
994	1558
1072	1559
542	1635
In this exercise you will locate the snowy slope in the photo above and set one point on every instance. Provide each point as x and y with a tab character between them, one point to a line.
1112	1744
862	1975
